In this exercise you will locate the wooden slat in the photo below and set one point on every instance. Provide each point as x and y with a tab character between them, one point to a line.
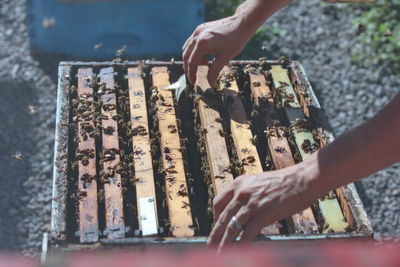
180	216
60	166
217	152
145	184
115	227
304	221
324	133
329	206
242	135
87	178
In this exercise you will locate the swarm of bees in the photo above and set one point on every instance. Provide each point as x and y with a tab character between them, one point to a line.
89	121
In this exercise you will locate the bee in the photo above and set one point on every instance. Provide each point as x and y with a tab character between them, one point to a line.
254	140
254	113
182	192
172	129
280	149
97	46
17	156
120	52
32	109
250	159
220	120
221	132
48	22
109	130
388	33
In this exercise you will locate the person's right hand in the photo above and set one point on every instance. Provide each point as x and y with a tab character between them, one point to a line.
223	39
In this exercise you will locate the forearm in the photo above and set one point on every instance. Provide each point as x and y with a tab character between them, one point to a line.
362	151
255	12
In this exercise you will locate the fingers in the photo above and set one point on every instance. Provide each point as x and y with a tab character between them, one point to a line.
252	229
187	52
196	58
222	223
220	202
243	217
214	70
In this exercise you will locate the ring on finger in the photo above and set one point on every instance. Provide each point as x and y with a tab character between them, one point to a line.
234	222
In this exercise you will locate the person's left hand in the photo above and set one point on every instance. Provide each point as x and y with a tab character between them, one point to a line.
259	200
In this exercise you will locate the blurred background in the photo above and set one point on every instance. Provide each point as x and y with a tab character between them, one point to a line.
349	51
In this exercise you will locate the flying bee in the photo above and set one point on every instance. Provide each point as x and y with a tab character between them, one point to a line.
254	140
98	46
17	156
120	52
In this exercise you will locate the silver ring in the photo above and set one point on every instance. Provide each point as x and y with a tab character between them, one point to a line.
234	222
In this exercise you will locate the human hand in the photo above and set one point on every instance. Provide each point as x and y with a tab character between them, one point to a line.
262	199
223	39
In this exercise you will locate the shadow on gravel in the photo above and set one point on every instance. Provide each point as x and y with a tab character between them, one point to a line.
16	146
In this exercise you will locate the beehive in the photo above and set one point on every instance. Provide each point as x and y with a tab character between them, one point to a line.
132	166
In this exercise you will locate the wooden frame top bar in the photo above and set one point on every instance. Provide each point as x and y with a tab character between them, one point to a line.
180	215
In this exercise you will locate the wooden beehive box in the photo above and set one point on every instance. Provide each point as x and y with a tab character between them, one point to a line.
132	167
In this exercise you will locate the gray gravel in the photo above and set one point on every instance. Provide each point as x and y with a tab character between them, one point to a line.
26	183
320	37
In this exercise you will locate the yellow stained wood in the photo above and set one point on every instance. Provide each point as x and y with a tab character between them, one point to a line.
309	101
88	210
217	153
115	226
283	87
144	176
181	223
304	221
329	206
240	128
242	135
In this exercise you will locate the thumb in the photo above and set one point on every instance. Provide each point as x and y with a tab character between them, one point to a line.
214	70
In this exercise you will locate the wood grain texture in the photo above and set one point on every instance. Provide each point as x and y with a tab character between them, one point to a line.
278	146
115	227
217	152
179	210
142	158
304	141
87	177
323	131
242	135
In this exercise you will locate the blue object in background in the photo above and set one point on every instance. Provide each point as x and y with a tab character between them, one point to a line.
146	27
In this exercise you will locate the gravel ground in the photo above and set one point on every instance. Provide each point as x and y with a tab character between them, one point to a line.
320	37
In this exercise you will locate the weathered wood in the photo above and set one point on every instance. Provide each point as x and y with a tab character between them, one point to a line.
60	165
217	152
241	133
304	221
304	141
321	126
115	227
329	205
179	209
144	175
87	178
